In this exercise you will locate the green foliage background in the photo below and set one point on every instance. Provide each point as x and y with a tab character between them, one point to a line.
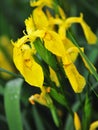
14	93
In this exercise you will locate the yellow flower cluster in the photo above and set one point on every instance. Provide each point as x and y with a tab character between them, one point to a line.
51	29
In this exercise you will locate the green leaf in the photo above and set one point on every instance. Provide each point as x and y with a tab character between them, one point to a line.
61	99
12	104
87	113
55	116
46	55
69	123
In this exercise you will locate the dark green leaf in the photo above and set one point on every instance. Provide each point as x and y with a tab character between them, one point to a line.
61	99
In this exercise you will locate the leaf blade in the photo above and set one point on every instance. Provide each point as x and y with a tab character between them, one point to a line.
12	104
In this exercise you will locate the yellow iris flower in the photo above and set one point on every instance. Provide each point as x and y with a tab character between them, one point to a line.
42	24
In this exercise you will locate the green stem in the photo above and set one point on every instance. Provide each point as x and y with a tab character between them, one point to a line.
53	111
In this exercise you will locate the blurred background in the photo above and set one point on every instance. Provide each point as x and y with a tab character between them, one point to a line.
12	16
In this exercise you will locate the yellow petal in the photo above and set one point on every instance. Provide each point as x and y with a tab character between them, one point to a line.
73	52
90	36
77	123
21	41
31	71
76	80
67	43
62	13
71	49
94	125
69	21
62	31
40	19
53	20
41	3
29	25
53	43
36	3
53	76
